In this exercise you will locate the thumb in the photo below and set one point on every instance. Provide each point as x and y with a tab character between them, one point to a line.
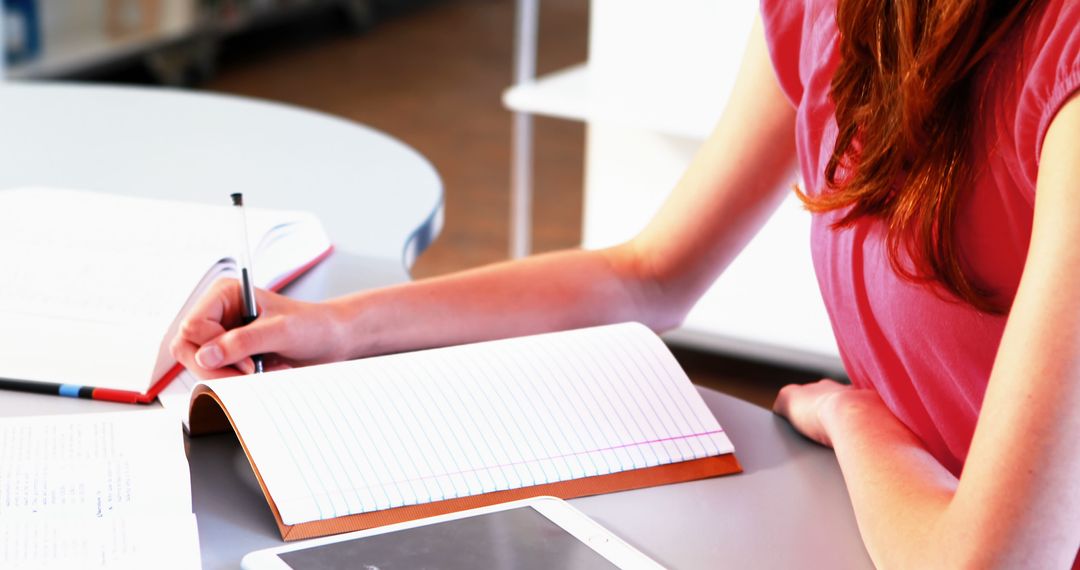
238	344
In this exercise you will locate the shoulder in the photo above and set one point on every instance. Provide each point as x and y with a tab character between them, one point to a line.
1050	64
792	27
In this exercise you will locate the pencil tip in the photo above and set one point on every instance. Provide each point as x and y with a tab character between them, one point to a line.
237	198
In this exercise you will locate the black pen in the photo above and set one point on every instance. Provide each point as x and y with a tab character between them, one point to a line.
247	287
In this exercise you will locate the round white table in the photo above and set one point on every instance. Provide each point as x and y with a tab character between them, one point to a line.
376	196
381	202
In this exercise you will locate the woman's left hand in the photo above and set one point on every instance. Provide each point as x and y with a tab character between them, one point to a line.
804	404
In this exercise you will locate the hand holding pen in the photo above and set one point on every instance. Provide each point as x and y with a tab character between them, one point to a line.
221	336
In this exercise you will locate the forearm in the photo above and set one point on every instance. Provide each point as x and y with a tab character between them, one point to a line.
913	513
899	491
560	290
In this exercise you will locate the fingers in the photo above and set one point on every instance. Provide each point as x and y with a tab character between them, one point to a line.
212	313
783	400
236	346
221	303
184	353
201	343
199	331
803	405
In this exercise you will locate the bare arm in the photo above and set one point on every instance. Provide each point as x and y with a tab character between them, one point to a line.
1017	504
724	197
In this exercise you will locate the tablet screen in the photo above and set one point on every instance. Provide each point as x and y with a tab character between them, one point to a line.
515	538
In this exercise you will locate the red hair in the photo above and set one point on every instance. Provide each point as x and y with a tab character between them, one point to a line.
903	96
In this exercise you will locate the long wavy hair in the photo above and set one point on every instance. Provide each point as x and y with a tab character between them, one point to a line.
904	98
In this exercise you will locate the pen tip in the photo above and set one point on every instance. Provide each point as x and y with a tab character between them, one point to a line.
237	198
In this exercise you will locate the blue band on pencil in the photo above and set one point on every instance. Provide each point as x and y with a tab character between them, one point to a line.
70	390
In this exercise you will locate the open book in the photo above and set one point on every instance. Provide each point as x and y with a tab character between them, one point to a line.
370	442
95	491
93	285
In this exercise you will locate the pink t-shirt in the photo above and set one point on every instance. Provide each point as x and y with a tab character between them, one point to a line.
929	358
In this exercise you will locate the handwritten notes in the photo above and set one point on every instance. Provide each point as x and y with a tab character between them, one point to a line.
95	490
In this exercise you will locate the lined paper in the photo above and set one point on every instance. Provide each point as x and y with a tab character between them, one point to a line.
427	426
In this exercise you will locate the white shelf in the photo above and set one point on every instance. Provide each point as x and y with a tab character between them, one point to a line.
570	94
77	54
563	94
76	37
664	67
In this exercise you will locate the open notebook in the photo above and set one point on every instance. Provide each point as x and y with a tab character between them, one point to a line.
358	444
103	279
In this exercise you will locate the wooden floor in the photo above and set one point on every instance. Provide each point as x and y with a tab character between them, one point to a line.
432	76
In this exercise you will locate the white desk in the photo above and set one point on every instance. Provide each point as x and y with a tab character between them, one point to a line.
381	203
788	509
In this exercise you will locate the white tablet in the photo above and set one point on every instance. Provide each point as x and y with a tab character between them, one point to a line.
541	533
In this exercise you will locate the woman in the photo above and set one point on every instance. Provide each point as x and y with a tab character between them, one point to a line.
939	146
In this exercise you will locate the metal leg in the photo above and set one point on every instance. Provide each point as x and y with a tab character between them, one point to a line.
521	187
521	179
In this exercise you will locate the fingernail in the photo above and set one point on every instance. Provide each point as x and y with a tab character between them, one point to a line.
246	366
209	356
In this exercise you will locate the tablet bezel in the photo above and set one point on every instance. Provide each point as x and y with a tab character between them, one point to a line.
559	512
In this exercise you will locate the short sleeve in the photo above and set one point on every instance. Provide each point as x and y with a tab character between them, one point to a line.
1052	60
783	22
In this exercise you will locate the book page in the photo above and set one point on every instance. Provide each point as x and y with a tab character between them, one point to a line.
130	542
177	396
413	428
93	465
100	278
284	247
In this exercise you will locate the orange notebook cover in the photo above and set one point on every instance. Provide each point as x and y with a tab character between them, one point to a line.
591	411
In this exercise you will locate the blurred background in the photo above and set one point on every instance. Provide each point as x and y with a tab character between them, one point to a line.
628	89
